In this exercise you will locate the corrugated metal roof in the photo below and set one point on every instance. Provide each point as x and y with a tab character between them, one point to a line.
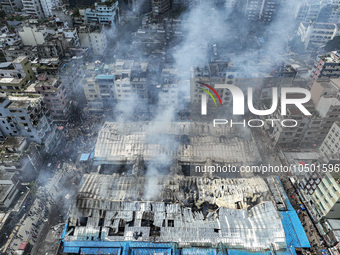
110	251
71	249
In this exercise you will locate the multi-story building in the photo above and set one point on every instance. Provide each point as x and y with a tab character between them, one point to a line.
93	38
25	116
11	6
53	47
263	10
19	156
330	148
303	134
168	94
217	72
103	14
16	75
160	6
324	87
10	187
17	50
33	7
326	198
329	12
126	79
35	35
8	38
55	96
327	66
99	91
47	6
314	35
311	130
307	12
131	79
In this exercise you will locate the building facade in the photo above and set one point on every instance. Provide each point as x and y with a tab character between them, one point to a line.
327	197
16	75
330	148
160	6
315	34
33	7
95	39
327	66
103	14
25	117
55	97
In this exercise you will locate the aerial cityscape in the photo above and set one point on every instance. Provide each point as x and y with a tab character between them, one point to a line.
169	127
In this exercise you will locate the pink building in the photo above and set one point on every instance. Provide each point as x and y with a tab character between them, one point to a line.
55	96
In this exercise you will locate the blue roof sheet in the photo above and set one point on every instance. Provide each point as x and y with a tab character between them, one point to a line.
71	249
295	233
84	157
105	77
100	251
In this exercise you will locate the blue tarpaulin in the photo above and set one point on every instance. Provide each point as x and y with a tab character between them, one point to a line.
295	234
84	157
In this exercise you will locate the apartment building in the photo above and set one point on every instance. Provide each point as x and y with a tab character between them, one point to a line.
327	197
55	96
160	6
121	81
93	38
131	80
14	76
25	116
330	148
103	14
303	134
99	91
8	38
316	34
217	72
324	87
9	188
11	52
17	155
263	10
11	6
311	130
47	6
33	7
168	94
307	12
327	66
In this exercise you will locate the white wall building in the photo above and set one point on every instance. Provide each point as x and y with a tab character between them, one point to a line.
7	38
33	7
330	148
96	40
317	34
26	117
47	6
33	36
